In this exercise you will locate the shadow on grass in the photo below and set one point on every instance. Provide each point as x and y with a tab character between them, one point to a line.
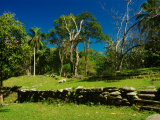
6	93
106	78
142	70
4	110
128	74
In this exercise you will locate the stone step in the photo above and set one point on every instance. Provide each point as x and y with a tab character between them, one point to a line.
149	96
148	91
147	101
155	108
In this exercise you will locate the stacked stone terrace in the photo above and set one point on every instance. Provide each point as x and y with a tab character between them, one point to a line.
105	95
148	99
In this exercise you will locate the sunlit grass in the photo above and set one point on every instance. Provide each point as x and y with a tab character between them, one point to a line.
49	83
37	111
65	111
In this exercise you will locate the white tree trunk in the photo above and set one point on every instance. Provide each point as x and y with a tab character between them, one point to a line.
76	63
34	59
72	38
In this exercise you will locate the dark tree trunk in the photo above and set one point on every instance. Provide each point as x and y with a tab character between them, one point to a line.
85	59
86	56
71	58
61	59
1	86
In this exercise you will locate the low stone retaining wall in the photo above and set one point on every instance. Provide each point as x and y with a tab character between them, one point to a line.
147	99
105	95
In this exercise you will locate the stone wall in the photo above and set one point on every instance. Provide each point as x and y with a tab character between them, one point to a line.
147	99
105	95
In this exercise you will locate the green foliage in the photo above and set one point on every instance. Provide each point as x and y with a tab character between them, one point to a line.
90	67
152	56
150	17
12	47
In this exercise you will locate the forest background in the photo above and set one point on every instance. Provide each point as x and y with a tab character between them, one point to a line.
127	39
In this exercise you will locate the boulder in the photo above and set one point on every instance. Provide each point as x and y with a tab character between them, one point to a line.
153	117
124	100
119	97
132	93
81	96
79	87
105	93
60	90
115	93
60	81
148	91
67	89
136	97
64	80
88	89
110	89
97	89
127	88
83	92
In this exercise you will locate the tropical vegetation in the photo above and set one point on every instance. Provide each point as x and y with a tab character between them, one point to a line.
25	54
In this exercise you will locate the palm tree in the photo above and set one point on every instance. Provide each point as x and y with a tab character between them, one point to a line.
150	17
35	42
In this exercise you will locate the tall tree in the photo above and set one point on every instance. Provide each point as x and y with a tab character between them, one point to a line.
124	32
11	34
73	37
150	26
91	29
36	42
59	38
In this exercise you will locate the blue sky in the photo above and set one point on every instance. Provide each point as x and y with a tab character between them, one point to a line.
42	13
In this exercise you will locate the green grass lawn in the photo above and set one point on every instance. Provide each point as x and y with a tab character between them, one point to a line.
61	111
38	111
48	83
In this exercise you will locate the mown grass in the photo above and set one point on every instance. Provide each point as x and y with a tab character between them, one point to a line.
71	111
38	111
49	83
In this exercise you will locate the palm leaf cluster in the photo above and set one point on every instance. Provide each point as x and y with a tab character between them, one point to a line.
150	17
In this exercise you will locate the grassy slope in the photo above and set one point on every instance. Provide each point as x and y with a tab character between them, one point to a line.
37	111
48	83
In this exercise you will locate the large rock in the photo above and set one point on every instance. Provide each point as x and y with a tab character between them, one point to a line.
127	88
115	93
110	89
148	91
88	89
135	97
67	89
153	117
79	87
61	81
132	93
97	89
60	90
148	101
